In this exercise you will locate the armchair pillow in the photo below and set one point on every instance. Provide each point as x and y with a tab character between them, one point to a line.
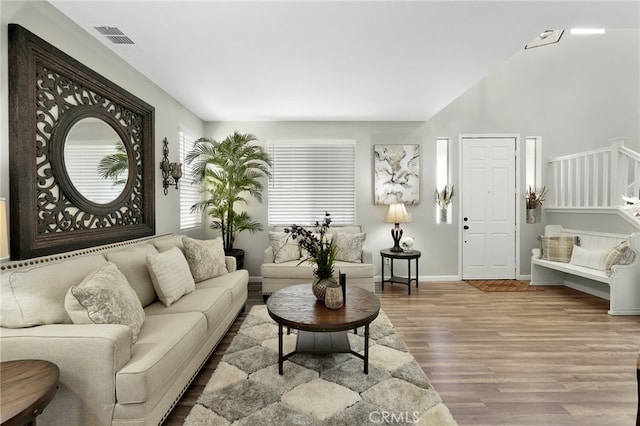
349	246
285	248
170	275
105	297
205	258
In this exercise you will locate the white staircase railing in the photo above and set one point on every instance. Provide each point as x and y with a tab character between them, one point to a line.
594	179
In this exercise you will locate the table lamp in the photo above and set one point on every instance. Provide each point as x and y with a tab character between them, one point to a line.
397	214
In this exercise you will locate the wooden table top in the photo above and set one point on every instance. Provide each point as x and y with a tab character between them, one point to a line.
297	307
26	387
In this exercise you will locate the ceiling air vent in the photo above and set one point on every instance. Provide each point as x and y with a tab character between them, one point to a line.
114	34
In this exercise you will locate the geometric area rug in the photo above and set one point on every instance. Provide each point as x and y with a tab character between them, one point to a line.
502	285
246	389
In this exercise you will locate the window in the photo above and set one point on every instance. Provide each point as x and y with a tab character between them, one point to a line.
533	175
189	193
443	212
309	178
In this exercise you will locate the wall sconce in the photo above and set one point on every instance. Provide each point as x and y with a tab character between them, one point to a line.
171	172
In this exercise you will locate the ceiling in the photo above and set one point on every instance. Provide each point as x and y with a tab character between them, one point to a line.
331	60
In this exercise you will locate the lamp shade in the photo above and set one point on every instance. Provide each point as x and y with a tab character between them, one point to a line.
397	213
4	236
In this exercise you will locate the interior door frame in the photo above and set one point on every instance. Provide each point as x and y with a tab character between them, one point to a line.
517	160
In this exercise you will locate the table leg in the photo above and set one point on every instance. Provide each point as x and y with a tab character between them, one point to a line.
409	276
366	349
280	349
417	274
382	273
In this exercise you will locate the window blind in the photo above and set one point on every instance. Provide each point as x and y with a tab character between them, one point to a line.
309	178
84	174
189	193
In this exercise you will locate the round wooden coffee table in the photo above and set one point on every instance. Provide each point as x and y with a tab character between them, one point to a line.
27	386
322	330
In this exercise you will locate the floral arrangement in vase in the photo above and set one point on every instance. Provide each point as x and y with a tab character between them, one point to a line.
443	199
319	250
535	197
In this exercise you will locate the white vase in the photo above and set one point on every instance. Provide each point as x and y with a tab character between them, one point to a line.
531	215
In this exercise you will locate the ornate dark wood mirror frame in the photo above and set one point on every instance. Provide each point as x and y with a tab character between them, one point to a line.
49	92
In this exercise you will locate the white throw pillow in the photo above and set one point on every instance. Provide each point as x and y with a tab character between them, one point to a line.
170	275
594	259
284	247
205	258
105	297
349	246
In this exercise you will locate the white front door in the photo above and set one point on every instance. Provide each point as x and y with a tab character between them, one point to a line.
488	207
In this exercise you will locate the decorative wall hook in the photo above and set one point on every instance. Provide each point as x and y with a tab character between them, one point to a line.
171	172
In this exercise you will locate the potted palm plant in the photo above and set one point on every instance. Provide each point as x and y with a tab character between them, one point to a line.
228	172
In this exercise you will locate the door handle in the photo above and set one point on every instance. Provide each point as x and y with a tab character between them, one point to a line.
465	227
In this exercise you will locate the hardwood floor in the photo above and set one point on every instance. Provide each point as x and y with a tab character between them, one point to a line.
552	357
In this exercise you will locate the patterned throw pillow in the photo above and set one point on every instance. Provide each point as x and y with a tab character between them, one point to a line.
285	248
105	297
205	258
594	259
619	255
170	275
349	246
557	249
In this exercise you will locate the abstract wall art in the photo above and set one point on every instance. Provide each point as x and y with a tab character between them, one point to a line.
397	174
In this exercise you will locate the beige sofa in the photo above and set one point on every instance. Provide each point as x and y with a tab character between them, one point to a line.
280	275
105	378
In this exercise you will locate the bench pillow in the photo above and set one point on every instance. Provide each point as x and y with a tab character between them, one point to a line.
619	255
557	249
594	259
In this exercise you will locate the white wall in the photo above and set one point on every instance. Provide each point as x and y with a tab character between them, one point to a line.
575	94
370	216
48	23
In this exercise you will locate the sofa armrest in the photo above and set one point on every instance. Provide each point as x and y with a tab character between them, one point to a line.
88	357
231	263
268	256
367	255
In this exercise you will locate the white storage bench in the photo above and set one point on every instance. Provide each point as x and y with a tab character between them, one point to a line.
622	288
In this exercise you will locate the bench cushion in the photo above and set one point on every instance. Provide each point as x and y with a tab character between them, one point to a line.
581	271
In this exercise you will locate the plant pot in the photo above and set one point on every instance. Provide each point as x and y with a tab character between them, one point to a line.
531	215
319	287
333	298
239	255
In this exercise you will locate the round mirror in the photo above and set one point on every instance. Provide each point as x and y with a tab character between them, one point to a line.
96	160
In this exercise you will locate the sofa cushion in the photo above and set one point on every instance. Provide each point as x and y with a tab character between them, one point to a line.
305	270
349	246
205	258
170	275
285	248
236	282
36	296
168	243
105	297
132	262
214	303
165	345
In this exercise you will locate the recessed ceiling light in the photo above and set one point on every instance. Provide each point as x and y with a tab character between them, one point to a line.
586	31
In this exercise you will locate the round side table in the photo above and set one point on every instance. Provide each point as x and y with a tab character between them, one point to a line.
407	255
26	388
